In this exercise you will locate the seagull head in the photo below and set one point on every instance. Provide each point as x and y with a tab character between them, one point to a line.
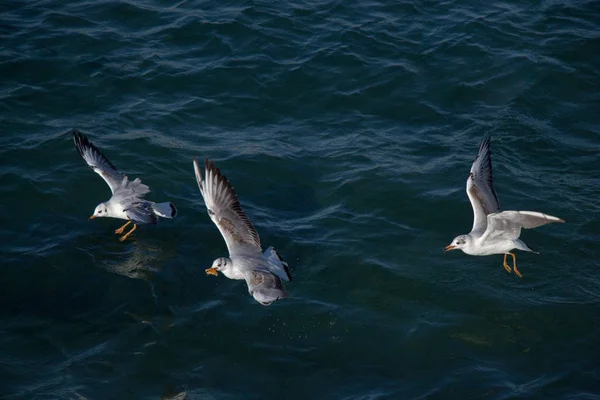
220	264
459	242
100	211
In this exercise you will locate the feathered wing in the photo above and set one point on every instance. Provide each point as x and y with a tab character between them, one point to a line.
508	224
276	264
265	287
127	189
119	185
225	210
141	212
480	187
97	161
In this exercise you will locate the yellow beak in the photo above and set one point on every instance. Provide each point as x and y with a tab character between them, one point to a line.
211	271
448	248
92	217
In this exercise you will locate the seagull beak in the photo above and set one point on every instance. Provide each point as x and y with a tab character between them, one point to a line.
211	271
92	217
448	248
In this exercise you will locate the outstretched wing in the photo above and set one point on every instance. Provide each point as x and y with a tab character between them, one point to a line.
480	187
507	225
265	287
225	210
97	161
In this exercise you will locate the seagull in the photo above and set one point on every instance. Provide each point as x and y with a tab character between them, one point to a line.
494	232
262	272
127	196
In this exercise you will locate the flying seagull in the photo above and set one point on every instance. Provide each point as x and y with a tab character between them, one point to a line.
127	201
494	232
262	272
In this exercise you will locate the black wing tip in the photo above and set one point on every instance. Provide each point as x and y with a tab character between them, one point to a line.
286	266
486	142
210	165
484	146
195	160
80	139
78	136
82	143
287	271
173	210
485	151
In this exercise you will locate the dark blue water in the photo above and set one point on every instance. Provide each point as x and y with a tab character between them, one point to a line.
348	130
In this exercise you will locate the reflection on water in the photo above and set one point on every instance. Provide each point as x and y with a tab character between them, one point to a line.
141	258
140	261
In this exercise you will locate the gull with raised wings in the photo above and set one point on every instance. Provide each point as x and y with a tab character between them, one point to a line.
127	201
494	232
263	272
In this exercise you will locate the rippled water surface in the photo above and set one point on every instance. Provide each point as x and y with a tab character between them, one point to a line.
348	130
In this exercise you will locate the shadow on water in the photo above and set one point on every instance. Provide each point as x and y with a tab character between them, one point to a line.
143	259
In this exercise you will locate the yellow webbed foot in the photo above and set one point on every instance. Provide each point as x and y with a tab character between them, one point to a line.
122	229
517	272
125	236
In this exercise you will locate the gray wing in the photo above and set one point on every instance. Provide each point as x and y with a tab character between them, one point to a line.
225	210
276	264
265	287
133	190
141	212
97	161
507	225
480	187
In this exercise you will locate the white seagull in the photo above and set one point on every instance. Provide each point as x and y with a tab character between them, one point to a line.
494	232
262	272
127	196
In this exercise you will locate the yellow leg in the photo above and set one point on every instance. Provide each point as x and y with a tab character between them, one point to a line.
515	265
121	229
506	266
125	236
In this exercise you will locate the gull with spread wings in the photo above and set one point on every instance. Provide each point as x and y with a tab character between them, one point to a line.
127	201
494	232
263	272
